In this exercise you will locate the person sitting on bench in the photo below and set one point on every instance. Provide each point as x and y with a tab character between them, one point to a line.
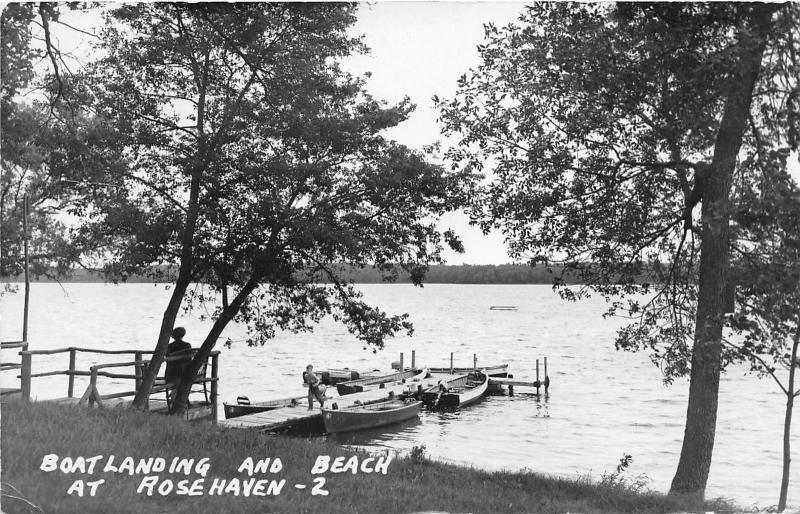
175	368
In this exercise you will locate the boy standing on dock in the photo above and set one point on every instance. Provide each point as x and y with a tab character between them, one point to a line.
312	382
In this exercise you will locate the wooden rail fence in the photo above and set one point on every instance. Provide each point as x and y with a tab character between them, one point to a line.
91	396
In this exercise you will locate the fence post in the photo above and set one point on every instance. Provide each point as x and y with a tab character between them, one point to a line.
214	367
25	238
25	376
451	363
413	359
71	388
401	362
93	385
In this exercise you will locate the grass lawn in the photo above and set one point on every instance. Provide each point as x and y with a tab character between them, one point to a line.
33	482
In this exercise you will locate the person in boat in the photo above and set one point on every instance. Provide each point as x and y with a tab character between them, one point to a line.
177	347
312	382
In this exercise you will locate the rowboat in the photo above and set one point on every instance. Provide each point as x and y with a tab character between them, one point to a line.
360	417
358	386
459	392
243	406
498	370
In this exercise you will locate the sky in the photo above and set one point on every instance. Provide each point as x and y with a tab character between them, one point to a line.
420	49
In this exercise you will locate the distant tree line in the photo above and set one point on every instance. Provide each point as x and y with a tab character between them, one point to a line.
437	274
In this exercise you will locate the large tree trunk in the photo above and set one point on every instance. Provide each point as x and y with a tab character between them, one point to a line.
140	401
701	415
787	425
187	244
229	311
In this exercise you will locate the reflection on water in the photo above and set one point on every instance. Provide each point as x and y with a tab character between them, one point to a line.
602	403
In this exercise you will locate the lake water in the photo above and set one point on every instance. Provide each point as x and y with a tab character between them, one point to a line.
602	403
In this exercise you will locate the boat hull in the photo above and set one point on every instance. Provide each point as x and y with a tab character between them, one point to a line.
363	417
234	410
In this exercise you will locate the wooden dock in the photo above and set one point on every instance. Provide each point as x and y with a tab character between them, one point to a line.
499	382
297	416
300	414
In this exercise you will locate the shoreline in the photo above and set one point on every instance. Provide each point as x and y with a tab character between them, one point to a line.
42	461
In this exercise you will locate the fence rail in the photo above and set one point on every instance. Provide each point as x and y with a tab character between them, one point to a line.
88	350
5	366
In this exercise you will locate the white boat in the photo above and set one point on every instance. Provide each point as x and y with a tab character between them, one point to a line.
457	392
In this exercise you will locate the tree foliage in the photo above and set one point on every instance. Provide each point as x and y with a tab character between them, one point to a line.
238	154
621	138
27	129
766	317
598	123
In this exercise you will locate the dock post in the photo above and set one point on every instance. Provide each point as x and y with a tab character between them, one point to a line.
451	363
510	389
537	377
214	367
71	387
25	376
137	371
474	362
546	378
401	363
413	359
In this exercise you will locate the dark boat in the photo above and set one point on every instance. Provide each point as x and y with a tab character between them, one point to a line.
360	417
242	407
358	386
458	392
335	376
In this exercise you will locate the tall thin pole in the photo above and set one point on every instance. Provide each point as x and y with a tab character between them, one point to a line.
27	278
787	424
